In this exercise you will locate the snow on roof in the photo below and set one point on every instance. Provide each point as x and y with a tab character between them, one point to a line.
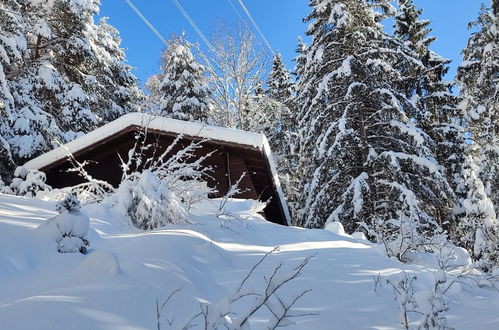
154	123
201	130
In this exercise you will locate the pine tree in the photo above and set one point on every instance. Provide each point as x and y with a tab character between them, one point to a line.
70	80
116	89
263	114
280	89
279	86
437	113
300	59
180	91
477	230
291	175
370	167
410	29
12	49
478	77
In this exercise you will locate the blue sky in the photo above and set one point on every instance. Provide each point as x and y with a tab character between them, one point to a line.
279	20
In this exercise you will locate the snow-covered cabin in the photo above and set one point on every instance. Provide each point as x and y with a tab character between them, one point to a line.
234	152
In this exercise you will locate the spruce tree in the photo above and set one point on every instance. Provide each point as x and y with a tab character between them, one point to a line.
279	86
478	78
13	46
365	163
116	89
180	91
300	58
437	112
476	229
71	78
280	89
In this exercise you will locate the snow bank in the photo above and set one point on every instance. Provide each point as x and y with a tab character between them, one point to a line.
100	264
336	227
117	284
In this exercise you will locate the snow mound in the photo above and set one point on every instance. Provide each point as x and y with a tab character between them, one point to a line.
337	228
359	235
100	264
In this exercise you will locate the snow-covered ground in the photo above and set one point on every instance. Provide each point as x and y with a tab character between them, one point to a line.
116	285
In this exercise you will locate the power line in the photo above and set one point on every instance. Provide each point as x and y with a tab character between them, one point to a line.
256	26
239	15
245	23
193	24
153	29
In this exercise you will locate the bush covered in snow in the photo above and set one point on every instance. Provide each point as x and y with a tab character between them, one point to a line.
70	228
160	190
27	182
70	204
149	202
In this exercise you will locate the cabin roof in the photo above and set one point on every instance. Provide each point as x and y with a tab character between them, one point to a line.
195	130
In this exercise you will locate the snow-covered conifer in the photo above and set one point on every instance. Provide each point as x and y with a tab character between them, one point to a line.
479	86
180	91
412	30
28	182
115	87
300	58
12	49
436	113
70	80
477	229
364	161
69	229
263	114
282	139
278	81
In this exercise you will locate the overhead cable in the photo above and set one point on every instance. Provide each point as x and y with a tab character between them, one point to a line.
256	26
244	22
153	29
193	24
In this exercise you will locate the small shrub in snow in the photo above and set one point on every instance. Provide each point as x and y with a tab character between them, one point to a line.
266	298
149	201
27	182
69	229
234	190
161	189
70	204
92	190
404	295
435	319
